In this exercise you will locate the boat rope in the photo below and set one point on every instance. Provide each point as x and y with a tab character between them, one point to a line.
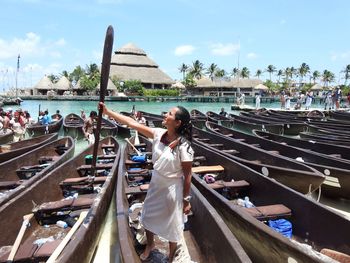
319	193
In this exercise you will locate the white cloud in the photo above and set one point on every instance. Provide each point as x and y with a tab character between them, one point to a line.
184	50
30	46
340	55
252	55
220	49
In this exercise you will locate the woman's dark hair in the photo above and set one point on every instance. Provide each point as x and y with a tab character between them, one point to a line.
185	129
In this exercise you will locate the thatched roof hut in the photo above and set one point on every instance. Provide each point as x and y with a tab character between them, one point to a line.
131	63
112	89
43	85
261	87
63	84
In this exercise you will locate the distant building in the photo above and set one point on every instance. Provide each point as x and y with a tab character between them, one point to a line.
131	63
225	87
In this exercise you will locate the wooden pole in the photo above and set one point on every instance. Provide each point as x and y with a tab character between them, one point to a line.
106	63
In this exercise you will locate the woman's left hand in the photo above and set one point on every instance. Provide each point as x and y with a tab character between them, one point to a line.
187	207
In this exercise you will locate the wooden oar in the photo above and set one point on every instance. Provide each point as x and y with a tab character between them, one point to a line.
132	146
67	238
26	220
106	63
137	139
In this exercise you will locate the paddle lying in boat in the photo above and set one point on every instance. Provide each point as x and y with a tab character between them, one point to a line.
62	195
289	172
247	202
206	237
21	172
11	150
337	171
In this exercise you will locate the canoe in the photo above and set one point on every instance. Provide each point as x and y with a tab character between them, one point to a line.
272	200
197	115
6	137
108	128
243	124
123	130
337	151
11	150
320	129
340	115
337	183
21	172
215	117
73	126
93	198
289	172
207	237
329	138
37	129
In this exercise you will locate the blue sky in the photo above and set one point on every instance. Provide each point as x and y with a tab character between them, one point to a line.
52	36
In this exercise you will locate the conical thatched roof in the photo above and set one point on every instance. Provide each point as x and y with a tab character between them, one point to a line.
132	63
63	84
178	85
77	85
227	83
110	85
44	84
317	87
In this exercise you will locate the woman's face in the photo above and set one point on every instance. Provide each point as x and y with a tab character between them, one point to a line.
169	120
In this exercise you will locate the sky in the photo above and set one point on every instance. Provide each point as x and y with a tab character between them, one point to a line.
55	35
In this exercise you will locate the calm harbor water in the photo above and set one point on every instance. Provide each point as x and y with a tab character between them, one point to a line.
107	248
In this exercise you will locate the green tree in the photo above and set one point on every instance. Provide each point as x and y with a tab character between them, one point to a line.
235	72
346	72
245	72
65	74
53	78
212	70
189	81
133	86
183	69
315	75
258	73
303	71
77	74
271	69
197	69
92	69
279	74
90	82
327	77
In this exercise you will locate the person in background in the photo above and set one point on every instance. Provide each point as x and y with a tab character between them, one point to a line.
18	130
46	119
257	101
328	101
283	100
89	127
140	119
287	99
223	112
82	114
308	101
168	196
297	106
337	98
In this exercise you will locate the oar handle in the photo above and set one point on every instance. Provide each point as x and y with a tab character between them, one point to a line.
132	146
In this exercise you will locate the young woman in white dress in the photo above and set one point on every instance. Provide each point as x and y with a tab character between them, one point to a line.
168	194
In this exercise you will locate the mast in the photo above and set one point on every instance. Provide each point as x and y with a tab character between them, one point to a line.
17	75
239	71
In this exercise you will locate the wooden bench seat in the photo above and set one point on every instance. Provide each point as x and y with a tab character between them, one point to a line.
136	190
203	139
336	155
47	159
46	250
7	185
27	172
64	205
99	166
207	169
231	151
269	212
231	185
106	156
229	135
141	145
83	180
199	158
240	140
107	146
255	145
273	152
216	145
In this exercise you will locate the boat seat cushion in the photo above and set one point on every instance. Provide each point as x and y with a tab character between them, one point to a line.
46	250
269	212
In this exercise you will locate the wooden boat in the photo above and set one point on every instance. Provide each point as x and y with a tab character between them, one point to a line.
207	237
21	172
11	150
12	101
73	125
37	129
6	136
337	151
47	194
331	139
337	183
340	115
197	115
290	126
108	128
272	200
123	130
243	124
289	172
320	129
215	117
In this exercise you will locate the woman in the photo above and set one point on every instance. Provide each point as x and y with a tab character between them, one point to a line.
168	195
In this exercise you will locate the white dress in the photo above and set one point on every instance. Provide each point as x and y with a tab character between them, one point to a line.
162	213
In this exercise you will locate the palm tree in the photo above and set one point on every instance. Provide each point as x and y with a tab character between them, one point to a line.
258	73
279	74
303	70
92	69
197	69
315	75
77	74
327	77
235	72
346	74
271	69
220	73
183	69
65	74
245	72
212	70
